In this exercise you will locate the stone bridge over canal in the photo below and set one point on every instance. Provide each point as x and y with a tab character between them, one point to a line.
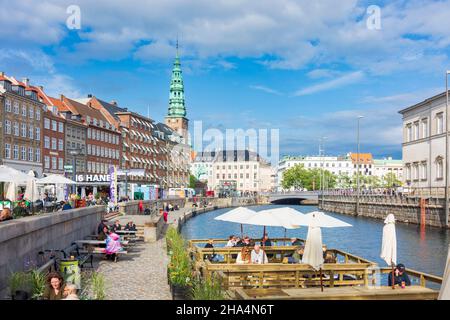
293	197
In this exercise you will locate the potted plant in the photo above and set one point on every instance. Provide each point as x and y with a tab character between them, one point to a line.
179	268
38	284
208	289
19	285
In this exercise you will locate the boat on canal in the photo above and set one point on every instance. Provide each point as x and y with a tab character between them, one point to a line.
348	277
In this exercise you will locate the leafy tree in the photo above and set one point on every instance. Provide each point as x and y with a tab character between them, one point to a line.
390	180
298	177
192	181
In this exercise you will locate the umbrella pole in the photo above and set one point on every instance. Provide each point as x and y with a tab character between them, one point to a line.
284	236
242	232
393	276
264	244
321	280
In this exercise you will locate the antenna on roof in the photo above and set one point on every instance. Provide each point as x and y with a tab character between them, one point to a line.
148	111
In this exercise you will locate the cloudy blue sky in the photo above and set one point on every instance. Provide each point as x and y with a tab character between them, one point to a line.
307	68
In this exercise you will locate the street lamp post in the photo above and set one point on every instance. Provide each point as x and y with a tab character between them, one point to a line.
447	163
322	177
357	170
74	153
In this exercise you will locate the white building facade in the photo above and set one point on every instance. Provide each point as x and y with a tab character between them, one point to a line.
242	171
424	129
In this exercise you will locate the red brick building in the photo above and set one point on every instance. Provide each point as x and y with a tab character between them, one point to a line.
53	137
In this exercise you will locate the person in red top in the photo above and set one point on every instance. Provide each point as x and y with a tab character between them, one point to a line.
165	215
141	206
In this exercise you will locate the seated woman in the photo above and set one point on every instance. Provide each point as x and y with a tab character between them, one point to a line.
113	246
296	256
243	257
55	287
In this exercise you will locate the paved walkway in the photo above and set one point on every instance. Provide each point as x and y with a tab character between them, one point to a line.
142	273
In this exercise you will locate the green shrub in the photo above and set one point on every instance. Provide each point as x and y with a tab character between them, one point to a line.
38	284
19	281
180	265
208	289
98	286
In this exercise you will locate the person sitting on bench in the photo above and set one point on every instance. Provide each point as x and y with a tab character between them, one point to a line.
130	226
112	246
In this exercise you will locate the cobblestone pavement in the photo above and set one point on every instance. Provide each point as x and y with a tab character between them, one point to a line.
142	273
139	275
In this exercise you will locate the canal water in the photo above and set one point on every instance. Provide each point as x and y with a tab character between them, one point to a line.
425	252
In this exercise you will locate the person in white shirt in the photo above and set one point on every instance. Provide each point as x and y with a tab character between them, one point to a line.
70	292
231	241
258	256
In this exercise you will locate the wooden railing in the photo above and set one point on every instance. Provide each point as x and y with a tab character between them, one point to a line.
422	277
276	275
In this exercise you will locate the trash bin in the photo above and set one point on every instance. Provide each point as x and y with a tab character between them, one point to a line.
70	270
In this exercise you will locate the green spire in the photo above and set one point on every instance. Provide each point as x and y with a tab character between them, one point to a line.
176	98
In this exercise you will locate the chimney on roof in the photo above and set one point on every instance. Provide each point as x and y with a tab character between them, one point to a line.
2	73
41	87
61	97
114	102
89	95
26	81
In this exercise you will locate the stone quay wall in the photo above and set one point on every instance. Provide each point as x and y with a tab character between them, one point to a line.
22	239
405	209
132	207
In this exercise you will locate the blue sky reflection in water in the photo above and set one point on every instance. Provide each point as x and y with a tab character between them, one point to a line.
426	253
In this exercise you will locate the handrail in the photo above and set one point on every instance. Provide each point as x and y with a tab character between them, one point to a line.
422	276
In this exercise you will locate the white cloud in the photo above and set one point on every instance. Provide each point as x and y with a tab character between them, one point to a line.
332	84
265	89
286	34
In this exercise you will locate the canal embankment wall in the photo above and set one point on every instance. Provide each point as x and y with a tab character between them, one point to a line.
22	239
405	209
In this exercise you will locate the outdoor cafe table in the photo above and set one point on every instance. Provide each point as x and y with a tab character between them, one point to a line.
125	232
96	242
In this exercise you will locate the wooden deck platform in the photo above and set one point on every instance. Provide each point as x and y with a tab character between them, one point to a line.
339	293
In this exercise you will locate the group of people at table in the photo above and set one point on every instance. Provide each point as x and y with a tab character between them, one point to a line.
252	253
111	238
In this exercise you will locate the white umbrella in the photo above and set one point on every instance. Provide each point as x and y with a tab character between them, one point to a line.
444	293
313	253
59	192
320	219
55	179
238	215
286	217
31	192
389	243
11	191
8	174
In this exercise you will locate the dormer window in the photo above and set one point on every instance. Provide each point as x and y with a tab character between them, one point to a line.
88	120
94	121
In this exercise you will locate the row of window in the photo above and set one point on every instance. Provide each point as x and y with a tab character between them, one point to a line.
419	129
235	167
57	126
57	144
418	170
75	133
103	136
22	130
100	123
56	163
22	153
15	108
102	151
97	167
241	176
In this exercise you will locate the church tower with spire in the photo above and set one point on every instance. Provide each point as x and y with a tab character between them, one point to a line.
176	117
